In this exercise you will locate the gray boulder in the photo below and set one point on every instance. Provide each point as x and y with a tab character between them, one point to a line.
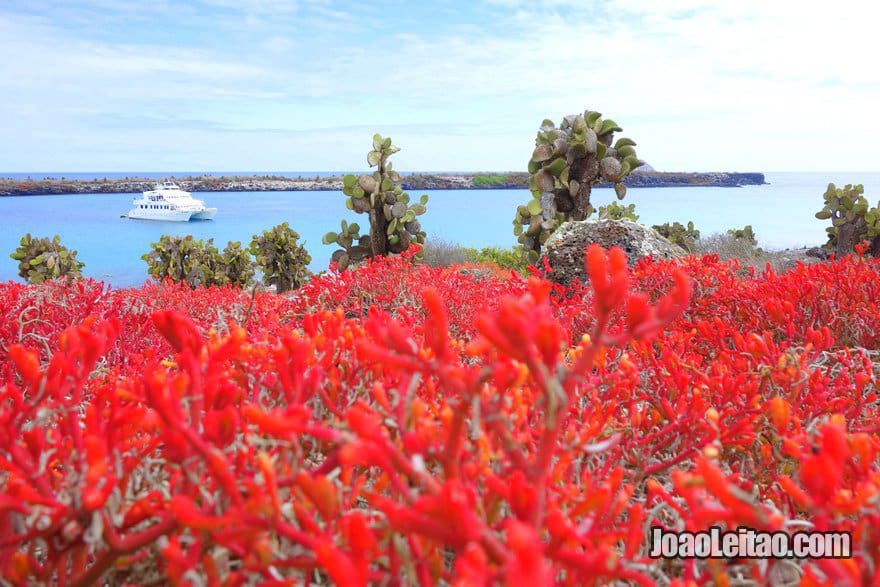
566	247
817	252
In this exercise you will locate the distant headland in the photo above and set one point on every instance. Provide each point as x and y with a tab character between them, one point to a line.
416	181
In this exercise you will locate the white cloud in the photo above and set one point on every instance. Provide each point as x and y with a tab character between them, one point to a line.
700	84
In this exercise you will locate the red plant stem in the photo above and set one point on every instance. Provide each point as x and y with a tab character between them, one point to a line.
546	449
74	428
123	546
401	487
550	436
867	429
393	561
41	572
496	425
296	535
80	559
216	460
17	539
454	442
305	563
671	428
663	465
493	547
405	465
330	463
424	576
196	406
20	458
323	433
585	362
305	520
61	569
328	403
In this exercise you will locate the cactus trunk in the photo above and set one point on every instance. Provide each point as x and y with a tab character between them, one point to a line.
849	235
378	224
582	207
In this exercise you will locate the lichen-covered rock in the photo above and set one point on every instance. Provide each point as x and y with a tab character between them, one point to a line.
817	252
565	248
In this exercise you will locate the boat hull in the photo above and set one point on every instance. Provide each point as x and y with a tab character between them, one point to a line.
161	215
206	214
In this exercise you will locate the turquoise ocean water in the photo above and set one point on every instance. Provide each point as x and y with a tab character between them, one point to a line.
780	212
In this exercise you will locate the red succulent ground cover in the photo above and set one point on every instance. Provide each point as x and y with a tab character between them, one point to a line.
401	424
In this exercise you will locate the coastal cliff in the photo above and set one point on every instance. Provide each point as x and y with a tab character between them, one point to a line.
418	181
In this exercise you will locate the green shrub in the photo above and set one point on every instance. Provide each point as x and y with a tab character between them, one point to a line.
513	258
41	259
745	234
678	234
728	246
283	261
441	253
393	223
615	211
489	180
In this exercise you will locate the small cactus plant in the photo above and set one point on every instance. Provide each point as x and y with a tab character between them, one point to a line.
747	236
283	261
615	211
394	225
852	220
42	259
182	259
744	234
566	163
678	234
234	266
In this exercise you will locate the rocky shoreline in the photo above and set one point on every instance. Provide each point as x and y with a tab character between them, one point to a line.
419	181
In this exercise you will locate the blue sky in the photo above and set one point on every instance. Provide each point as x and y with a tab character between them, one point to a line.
288	85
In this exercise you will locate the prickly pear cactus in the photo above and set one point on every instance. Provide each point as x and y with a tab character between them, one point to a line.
746	234
684	236
852	220
183	259
615	211
566	163
41	259
282	259
394	223
234	266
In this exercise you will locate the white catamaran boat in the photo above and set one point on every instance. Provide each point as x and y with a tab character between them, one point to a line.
169	202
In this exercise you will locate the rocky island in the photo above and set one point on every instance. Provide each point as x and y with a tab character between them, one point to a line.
416	181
